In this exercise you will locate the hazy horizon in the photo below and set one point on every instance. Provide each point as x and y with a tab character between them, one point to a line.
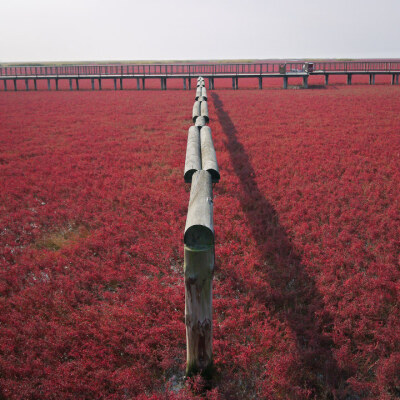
90	30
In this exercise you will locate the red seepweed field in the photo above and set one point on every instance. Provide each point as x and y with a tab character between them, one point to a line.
92	212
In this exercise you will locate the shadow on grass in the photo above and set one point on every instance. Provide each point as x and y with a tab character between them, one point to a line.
295	299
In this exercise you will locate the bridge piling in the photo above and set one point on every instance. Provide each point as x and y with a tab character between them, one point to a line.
305	82
48	84
138	83
184	83
5	85
326	79
77	83
35	84
393	79
397	79
92	82
15	85
260	82
372	79
285	82
26	85
99	83
349	79
143	84
115	84
56	84
121	87
70	84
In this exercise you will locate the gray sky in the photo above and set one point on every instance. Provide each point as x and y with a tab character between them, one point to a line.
51	30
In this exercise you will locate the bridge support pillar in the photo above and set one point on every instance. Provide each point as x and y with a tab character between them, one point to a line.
138	83
48	84
121	86
70	84
56	84
143	84
99	83
349	79
305	82
237	83
285	81
372	79
190	83
26	84
35	84
92	82
115	84
5	85
184	83
397	79
77	83
326	80
393	79
163	83
233	83
260	82
15	84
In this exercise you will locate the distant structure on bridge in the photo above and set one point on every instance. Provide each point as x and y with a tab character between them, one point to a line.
186	72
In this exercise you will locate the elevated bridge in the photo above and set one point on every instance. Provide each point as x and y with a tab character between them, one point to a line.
142	72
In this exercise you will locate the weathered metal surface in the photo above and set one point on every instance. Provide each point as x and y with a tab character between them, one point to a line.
199	229
200	121
193	154
204	110
208	155
196	110
204	92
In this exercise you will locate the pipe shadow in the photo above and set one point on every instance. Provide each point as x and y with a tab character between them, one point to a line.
295	298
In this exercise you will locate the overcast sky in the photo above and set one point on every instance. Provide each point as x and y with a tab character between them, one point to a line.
74	30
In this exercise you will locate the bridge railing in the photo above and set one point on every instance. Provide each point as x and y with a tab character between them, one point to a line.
195	69
357	66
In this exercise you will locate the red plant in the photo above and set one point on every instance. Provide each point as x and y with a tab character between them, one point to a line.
93	207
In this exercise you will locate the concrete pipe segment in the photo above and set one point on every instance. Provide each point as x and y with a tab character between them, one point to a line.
204	110
200	121
208	155
198	92
203	93
193	155
196	110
